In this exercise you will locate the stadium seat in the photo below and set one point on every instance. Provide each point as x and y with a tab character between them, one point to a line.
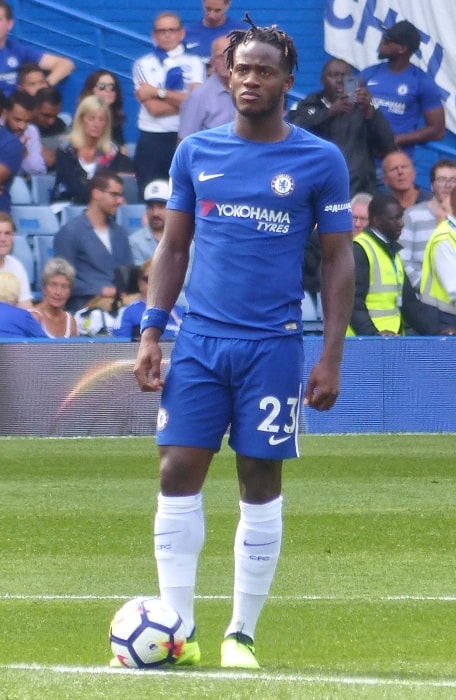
130	186
34	220
71	211
20	192
43	247
130	216
41	188
22	251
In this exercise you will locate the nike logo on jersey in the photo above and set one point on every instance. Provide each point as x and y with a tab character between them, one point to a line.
202	177
192	44
372	82
259	544
276	441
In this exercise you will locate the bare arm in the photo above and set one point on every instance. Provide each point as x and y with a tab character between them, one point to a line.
58	67
5	173
166	277
337	297
434	129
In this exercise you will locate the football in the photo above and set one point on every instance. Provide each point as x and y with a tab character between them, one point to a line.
146	633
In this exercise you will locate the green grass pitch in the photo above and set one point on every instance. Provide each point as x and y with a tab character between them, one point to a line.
363	604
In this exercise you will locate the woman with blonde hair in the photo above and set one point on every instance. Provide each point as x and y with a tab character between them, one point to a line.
56	280
14	321
89	148
105	85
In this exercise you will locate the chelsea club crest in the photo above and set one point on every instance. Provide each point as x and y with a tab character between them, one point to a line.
282	185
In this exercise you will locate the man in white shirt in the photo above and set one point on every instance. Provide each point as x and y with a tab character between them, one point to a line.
162	80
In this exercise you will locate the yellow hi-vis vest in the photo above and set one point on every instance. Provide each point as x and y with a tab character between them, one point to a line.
431	289
386	280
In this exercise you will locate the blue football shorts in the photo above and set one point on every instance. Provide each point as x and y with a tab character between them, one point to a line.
250	387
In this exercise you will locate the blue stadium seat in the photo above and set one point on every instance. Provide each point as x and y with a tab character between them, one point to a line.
34	220
71	211
22	251
130	191
20	191
43	248
42	186
130	215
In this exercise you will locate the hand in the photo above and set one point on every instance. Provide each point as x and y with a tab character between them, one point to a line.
390	334
363	98
323	386
448	331
341	105
109	291
145	92
148	362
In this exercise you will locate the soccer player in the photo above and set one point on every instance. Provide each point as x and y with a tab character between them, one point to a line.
252	190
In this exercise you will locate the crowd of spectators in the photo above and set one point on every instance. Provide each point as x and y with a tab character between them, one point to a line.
182	86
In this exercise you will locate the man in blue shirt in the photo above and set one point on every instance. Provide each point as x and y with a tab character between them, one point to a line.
404	92
250	193
95	244
214	23
13	55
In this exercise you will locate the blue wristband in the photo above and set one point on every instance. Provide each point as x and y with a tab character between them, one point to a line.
154	318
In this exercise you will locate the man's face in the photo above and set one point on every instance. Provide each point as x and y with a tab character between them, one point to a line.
398	172
333	79
6	26
155	212
214	12
17	119
109	199
360	217
45	114
218	59
444	181
258	79
32	82
389	49
6	239
168	34
391	221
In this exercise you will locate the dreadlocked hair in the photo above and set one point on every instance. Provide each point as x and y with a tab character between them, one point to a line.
267	35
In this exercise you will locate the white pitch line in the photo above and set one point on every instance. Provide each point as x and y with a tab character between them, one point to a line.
291	598
238	675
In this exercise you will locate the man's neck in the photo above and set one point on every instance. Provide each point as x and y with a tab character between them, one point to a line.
262	130
98	219
399	63
407	198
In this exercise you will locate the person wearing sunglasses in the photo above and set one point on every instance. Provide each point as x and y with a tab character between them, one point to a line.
106	86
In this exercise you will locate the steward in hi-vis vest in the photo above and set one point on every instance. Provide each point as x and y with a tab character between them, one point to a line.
384	298
438	278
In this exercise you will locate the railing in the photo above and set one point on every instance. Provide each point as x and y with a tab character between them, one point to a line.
90	45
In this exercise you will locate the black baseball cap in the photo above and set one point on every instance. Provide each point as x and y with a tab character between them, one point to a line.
404	33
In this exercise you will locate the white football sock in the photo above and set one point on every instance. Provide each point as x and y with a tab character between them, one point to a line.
256	553
179	536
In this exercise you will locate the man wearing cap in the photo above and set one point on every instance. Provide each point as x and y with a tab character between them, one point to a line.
404	92
144	241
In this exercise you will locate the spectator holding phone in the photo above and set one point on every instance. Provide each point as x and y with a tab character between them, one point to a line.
343	113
